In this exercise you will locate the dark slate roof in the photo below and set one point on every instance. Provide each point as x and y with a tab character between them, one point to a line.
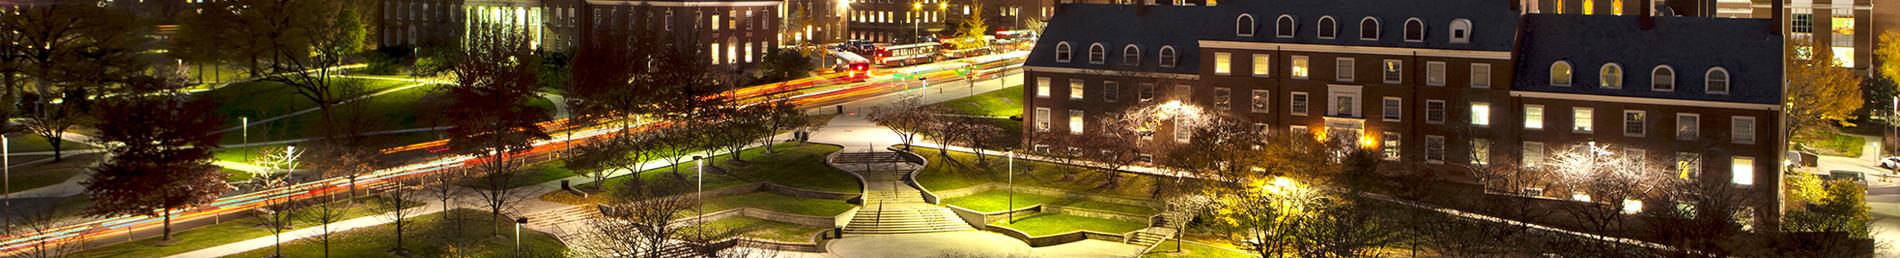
1494	24
1116	26
1747	48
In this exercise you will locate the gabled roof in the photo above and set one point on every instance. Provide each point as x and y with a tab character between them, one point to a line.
1115	26
1494	24
1747	48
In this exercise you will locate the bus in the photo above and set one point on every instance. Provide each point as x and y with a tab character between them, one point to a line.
907	54
1013	40
855	67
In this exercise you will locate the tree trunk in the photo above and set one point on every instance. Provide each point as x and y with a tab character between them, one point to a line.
57	148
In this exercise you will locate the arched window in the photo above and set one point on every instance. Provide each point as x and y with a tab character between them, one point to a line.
1369	29
1717	81
1244	25
1461	31
1560	73
1610	76
1662	79
1097	54
1414	30
1327	27
1285	26
1167	56
1062	52
1131	55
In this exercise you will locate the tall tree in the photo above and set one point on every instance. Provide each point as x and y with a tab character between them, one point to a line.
394	205
278	213
489	111
309	39
641	219
72	50
1816	88
161	156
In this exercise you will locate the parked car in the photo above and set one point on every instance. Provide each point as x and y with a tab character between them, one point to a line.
1890	162
1857	176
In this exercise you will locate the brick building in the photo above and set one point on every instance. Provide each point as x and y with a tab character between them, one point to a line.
735	33
1431	83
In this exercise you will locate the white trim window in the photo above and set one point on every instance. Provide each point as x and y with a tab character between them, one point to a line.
1635	123
1394	71
1742	129
1262	65
1533	117
1042	87
1688	126
1560	74
1435	111
1328	28
1435	149
1389	148
1369	28
1299	67
1662	79
1461	31
1481	151
1582	120
1343	69
1284	26
1167	57
1435	73
1042	119
1111	91
1742	170
1183	133
1146	93
1076	122
1688	165
1098	54
1533	154
1481	76
1262	101
1131	55
1297	103
1393	110
1610	76
1075	89
1223	99
1223	63
1062	52
1414	30
1716	81
1298	131
1244	25
1481	114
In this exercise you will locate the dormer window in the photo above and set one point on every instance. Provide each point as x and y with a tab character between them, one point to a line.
1560	74
1610	76
1414	30
1167	56
1244	25
1131	55
1369	29
1284	27
1097	54
1328	28
1062	52
1461	31
1662	79
1717	81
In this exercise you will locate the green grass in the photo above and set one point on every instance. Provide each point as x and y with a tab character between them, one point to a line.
780	203
1003	103
1832	143
429	238
996	201
393	111
1049	224
1192	249
534	174
759	228
235	228
960	170
791	164
26	142
45	174
261	99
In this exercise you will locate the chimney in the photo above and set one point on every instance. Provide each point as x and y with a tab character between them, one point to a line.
1644	14
1781	10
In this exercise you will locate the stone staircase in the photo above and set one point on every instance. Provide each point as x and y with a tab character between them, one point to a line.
890	205
1150	236
905	219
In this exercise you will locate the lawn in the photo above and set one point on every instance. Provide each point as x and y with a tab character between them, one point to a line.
262	99
392	111
45	174
780	203
791	164
1001	103
235	228
996	201
429	238
1049	224
961	170
759	228
26	142
534	174
1193	249
1832	143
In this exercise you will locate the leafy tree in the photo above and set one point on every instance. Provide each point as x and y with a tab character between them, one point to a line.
1889	56
71	50
489	112
1815	90
971	32
160	157
786	64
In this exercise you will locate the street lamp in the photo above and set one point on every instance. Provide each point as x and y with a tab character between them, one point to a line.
699	205
245	122
6	168
915	8
1012	184
518	222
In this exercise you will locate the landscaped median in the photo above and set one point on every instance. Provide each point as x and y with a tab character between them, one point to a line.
1053	203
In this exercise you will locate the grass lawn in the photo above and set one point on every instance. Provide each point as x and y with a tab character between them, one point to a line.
995	201
235	228
780	203
393	111
1049	224
1832	143
534	174
1002	103
961	170
1191	249
791	164
26	142
261	99
45	174
430	237
759	228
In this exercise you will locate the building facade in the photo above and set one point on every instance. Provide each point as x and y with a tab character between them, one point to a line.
734	34
1434	86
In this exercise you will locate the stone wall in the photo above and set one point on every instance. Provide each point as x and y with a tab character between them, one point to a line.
799	192
1099	214
1037	190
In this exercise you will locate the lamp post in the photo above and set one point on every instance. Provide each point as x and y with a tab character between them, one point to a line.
699	202
6	168
518	222
1012	184
245	122
915	28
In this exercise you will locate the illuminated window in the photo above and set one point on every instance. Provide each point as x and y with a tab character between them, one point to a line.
1742	170
1533	154
1075	89
1394	71
1389	148
1075	121
1589	7
1581	119
1480	152
1616	7
1299	67
1480	114
1688	165
1042	87
1042	119
1560	73
1223	63
1610	76
1534	117
1262	65
1261	100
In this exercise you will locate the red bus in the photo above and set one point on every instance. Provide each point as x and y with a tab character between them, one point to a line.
855	67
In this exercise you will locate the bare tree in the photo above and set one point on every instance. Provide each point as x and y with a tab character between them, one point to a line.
641	219
495	78
41	220
393	205
324	210
445	187
904	117
1606	183
623	152
278	212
